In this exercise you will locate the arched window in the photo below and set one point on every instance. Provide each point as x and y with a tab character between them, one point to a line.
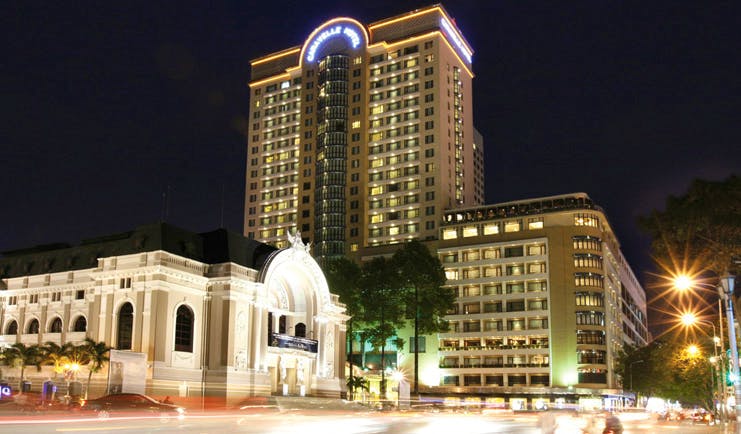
125	327
12	328
300	330
33	327
80	324
184	329
56	326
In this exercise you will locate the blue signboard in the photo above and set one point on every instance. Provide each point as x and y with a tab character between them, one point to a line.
286	341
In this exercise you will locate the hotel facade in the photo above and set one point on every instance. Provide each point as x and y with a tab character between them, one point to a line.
546	300
363	135
189	315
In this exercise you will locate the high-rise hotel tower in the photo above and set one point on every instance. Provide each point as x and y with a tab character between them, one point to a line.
363	135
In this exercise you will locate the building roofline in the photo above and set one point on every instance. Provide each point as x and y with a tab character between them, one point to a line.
421	11
275	55
521	201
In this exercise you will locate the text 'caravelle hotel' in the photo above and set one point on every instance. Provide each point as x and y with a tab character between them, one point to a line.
362	136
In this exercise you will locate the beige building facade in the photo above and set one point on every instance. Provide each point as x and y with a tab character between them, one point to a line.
546	300
213	314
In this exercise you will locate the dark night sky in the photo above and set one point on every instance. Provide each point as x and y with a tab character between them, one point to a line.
106	105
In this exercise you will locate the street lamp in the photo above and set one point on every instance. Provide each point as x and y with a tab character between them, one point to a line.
725	291
689	319
683	282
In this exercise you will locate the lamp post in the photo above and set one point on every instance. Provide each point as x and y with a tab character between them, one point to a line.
716	364
722	384
725	291
688	319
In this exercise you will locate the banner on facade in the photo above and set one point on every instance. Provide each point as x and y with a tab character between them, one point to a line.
127	372
285	341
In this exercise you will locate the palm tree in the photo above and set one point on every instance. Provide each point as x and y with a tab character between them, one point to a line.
56	355
3	360
21	355
96	356
355	382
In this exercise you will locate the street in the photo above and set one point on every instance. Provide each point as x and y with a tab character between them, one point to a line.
288	419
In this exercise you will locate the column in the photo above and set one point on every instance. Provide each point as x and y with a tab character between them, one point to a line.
255	331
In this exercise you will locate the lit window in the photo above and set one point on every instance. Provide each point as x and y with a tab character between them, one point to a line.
586	220
536	223
449	234
451	274
470	231
491	229
356	124
512	226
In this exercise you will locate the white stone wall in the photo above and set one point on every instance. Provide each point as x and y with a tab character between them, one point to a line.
230	354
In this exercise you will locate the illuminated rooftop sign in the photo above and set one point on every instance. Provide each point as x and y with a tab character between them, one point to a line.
457	41
338	30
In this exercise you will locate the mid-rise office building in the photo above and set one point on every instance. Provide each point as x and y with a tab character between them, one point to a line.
363	135
546	300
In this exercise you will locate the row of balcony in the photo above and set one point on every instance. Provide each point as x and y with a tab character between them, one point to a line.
494	347
496	365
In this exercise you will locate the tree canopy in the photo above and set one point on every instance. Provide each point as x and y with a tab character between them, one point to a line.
700	230
666	368
386	293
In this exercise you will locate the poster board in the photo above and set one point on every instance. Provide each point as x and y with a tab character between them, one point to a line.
127	372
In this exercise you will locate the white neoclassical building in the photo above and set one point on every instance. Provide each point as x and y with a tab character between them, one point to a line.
211	314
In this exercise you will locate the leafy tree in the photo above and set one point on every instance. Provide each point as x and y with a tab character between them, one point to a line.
383	310
343	276
690	375
701	227
665	368
421	279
